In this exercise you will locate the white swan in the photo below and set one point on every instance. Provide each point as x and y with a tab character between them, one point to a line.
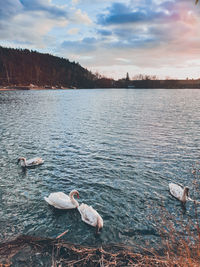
179	192
62	201
31	162
90	216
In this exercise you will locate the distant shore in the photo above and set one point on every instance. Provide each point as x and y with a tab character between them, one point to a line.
24	88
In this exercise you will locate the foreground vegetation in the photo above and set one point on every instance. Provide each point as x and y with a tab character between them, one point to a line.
31	251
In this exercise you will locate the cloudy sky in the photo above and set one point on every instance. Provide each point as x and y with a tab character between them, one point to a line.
113	37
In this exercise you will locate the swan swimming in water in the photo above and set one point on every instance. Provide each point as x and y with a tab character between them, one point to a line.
179	192
90	216
31	162
62	201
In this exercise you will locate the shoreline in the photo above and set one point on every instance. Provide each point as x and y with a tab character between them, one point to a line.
68	88
31	250
31	89
55	252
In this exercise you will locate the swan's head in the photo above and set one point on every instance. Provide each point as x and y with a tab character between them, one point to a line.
185	194
21	158
99	225
74	193
186	191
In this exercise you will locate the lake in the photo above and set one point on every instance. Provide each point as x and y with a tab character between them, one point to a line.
119	148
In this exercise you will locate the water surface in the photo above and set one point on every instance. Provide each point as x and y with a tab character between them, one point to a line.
119	148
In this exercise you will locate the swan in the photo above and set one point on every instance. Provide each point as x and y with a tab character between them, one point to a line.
90	216
179	192
30	162
62	201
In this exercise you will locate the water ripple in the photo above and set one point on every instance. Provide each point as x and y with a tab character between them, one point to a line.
119	148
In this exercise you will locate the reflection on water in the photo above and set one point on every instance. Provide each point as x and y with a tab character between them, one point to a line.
118	148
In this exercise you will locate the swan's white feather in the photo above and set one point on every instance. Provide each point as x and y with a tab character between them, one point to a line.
60	201
30	162
176	191
34	161
90	215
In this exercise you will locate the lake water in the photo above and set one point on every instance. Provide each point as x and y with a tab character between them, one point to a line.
119	148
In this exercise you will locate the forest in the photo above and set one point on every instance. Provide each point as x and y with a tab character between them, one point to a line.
23	67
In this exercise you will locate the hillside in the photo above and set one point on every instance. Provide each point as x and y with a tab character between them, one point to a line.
24	67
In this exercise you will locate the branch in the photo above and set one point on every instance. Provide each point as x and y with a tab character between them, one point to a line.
62	234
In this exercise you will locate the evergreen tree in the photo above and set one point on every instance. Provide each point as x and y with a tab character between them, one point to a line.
127	77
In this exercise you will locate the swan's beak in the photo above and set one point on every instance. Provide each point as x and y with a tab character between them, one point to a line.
187	192
77	195
18	160
97	230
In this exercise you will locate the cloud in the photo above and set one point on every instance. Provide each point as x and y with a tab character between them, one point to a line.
73	31
75	2
151	11
137	34
81	17
124	60
29	21
160	42
104	32
44	6
22	33
9	8
147	23
120	13
82	46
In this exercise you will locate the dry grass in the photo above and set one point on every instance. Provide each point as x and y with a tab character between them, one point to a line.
180	247
178	251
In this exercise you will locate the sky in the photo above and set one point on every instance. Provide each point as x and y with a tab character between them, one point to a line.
111	37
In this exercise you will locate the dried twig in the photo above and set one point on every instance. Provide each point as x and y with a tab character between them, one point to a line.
62	234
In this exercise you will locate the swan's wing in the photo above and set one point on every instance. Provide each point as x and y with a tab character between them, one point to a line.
88	214
60	201
34	161
176	190
48	200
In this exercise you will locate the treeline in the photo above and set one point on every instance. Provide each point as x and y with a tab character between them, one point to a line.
151	81
169	84
24	67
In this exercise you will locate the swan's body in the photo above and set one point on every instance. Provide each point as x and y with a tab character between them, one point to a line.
62	201
90	216
181	193
30	162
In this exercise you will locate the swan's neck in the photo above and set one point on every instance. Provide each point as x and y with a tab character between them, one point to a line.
99	224
184	197
74	201
23	162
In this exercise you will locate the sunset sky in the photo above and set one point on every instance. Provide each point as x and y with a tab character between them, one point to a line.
113	37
